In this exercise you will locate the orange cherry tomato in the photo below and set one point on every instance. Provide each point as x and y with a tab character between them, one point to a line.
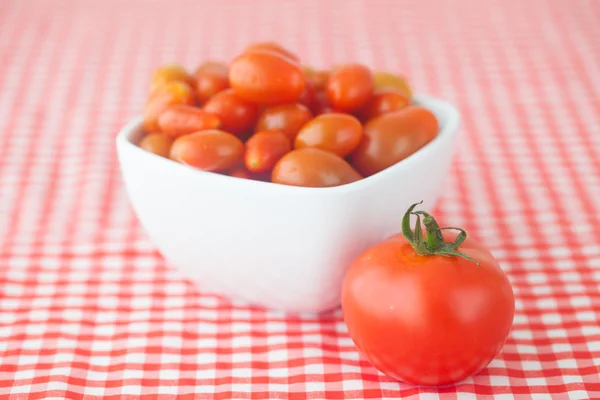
170	73
163	96
266	78
313	167
335	132
157	143
387	81
181	119
264	149
272	47
287	118
210	78
383	102
392	137
236	115
209	150
349	87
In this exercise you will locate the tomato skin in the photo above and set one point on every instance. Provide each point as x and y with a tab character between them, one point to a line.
240	172
266	78
237	116
287	118
392	137
307	97
383	102
169	73
163	96
157	143
272	47
264	149
317	78
321	104
180	119
209	150
427	320
312	167
210	78
335	132
349	87
387	81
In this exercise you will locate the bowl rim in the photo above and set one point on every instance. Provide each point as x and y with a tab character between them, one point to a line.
447	133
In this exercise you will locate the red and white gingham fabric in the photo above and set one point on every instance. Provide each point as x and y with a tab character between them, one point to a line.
89	309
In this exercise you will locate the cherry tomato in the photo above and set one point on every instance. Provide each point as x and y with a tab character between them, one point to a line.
335	132
272	47
264	149
349	87
287	118
237	115
181	119
307	97
392	137
157	143
387	81
321	104
163	96
209	150
430	319
383	102
240	172
210	78
170	73
266	78
312	167
318	78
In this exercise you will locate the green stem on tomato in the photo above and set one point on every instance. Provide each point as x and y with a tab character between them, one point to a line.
433	242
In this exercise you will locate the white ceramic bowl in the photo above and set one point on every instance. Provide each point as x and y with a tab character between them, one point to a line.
279	246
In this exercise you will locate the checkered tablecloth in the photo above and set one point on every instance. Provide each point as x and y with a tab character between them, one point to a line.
89	309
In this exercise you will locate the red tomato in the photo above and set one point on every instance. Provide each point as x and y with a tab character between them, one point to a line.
157	143
430	319
312	167
321	104
272	47
210	78
266	78
307	97
349	87
264	149
180	119
170	73
209	150
287	118
165	95
383	102
335	132
392	137
236	115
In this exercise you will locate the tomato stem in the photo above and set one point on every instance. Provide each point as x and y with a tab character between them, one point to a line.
433	242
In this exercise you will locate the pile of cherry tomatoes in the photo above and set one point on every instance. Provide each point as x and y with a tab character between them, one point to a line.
267	117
